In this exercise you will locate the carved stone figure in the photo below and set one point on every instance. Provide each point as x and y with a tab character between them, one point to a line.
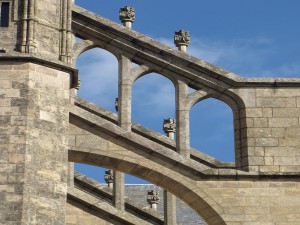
109	178
127	14
169	125
153	198
182	38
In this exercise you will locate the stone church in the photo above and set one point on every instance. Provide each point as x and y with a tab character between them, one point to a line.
45	128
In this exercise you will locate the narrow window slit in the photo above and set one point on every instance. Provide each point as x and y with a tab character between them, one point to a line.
4	14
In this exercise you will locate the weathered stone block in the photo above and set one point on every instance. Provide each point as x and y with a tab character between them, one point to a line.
260	122
283	122
280	151
10	93
289	142
286	112
262	142
5	84
254	112
275	102
277	92
287	161
269	161
267	112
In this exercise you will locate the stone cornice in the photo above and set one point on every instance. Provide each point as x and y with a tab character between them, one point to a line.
58	65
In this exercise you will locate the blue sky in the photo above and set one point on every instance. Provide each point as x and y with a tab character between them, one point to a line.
250	38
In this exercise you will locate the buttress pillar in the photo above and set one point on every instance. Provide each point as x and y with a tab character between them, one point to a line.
35	82
34	120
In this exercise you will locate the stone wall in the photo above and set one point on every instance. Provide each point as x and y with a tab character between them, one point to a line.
34	103
255	202
271	129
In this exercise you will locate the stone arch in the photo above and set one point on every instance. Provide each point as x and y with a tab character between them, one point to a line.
88	44
99	77
165	102
236	104
211	129
206	207
149	71
81	47
90	143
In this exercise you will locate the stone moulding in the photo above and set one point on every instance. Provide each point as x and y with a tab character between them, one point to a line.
75	80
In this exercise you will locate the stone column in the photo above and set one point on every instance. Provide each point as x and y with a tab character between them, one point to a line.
169	199
119	191
182	118
109	178
123	104
153	199
169	208
124	99
127	16
182	40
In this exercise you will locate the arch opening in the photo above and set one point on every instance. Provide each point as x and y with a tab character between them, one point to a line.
98	70
136	193
183	191
212	129
97	173
152	103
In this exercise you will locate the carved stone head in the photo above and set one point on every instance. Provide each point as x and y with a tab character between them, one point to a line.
169	125
182	38
153	197
127	14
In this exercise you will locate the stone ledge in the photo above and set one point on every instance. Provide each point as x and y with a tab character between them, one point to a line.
58	65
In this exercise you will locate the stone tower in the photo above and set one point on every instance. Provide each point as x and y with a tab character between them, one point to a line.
35	79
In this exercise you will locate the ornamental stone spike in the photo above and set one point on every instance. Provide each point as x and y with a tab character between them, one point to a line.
182	40
153	199
127	16
109	178
169	127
